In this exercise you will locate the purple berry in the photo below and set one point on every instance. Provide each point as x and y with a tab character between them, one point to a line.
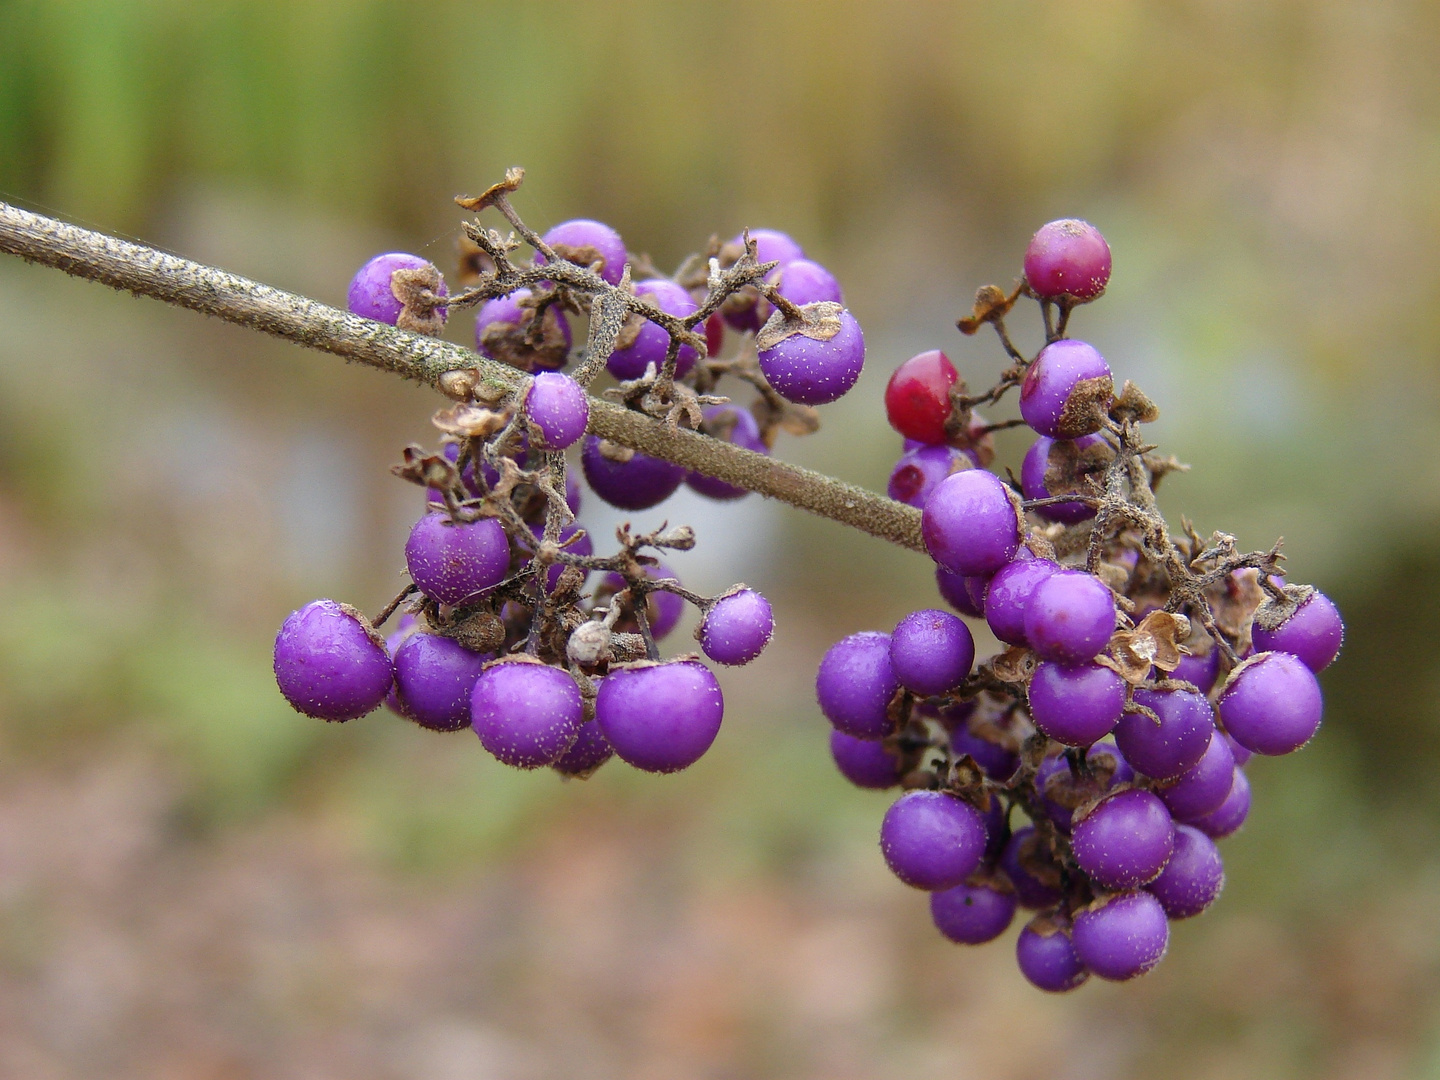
433	679
652	343
772	245
558	408
737	628
855	684
636	483
975	912
1067	391
587	753
1034	874
330	663
1067	258
931	652
1238	752
406	626
1058	769
1199	669
1108	760
932	839
995	761
972	523
738	427
1047	956
660	717
1125	840
586	242
1193	877
452	562
1121	936
918	472
1076	705
371	294
1312	630
1204	787
809	371
864	762
1230	814
965	594
1271	703
1174	745
526	714
1070	617
801	282
511	321
1008	597
1032	481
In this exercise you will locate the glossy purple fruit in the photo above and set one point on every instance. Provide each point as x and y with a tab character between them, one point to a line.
559	409
404	627
978	911
660	717
1200	669
1125	840
505	318
330	663
738	427
931	651
1035	876
1076	705
801	282
1312	630
1174	745
1203	787
371	294
972	523
932	840
586	242
636	483
1067	258
737	628
452	563
1230	814
1271	703
1046	955
652	342
433	679
1067	390
1032	481
809	371
1121	936
1008	597
918	472
864	762
855	684
995	761
587	753
1070	617
526	714
771	245
1240	754
965	594
1193	877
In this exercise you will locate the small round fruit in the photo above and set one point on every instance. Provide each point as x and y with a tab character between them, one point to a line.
652	343
801	282
809	371
330	663
1122	935
965	594
972	523
1174	745
932	840
584	242
526	714
1125	840
1008	597
917	398
1032	480
855	684
931	652
1311	630
587	753
920	471
737	628
771	245
558	408
1271	703
1046	955
1203	787
1070	617
1067	391
973	913
1034	874
371	294
503	324
1201	669
453	562
1076	705
660	717
637	482
864	762
1193	877
1230	814
433	679
1067	259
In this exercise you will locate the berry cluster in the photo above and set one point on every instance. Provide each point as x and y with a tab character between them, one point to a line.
1140	671
502	628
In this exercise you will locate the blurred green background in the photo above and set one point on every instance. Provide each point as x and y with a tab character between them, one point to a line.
196	882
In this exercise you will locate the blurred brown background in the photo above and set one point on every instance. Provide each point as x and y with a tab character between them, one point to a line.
196	882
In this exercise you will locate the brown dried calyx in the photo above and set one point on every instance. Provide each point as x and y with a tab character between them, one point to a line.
481	632
820	320
422	308
1071	469
1154	642
1133	404
1087	408
991	305
525	346
1271	615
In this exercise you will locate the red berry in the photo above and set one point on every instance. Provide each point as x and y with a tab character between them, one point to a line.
1068	258
917	399
714	335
